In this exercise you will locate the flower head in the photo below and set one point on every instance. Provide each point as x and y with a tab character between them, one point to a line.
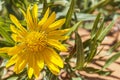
34	45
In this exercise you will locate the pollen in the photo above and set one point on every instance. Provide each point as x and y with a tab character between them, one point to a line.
35	41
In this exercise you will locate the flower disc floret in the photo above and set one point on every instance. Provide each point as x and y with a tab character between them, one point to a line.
35	41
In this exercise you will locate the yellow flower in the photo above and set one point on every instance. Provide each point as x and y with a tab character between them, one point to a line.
34	44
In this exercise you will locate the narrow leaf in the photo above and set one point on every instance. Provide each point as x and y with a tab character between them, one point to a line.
45	6
4	55
79	51
94	41
69	14
73	28
95	25
5	35
113	48
5	43
98	71
111	60
105	31
99	31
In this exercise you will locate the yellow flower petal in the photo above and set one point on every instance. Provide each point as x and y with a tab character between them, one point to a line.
37	64
29	20
17	65
32	65
20	62
12	61
35	13
4	49
17	31
16	22
44	18
36	70
16	49
58	37
59	32
16	38
56	44
40	60
57	24
53	67
30	60
49	21
22	65
30	72
52	57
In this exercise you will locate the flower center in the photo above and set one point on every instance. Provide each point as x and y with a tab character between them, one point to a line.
36	41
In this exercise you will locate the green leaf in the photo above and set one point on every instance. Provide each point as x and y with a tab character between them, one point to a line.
99	31
69	15
5	43
95	25
113	48
73	28
94	42
86	43
92	51
111	60
45	6
6	35
4	56
79	51
98	71
105	31
98	34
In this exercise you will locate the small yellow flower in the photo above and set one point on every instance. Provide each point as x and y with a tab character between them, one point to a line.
34	44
